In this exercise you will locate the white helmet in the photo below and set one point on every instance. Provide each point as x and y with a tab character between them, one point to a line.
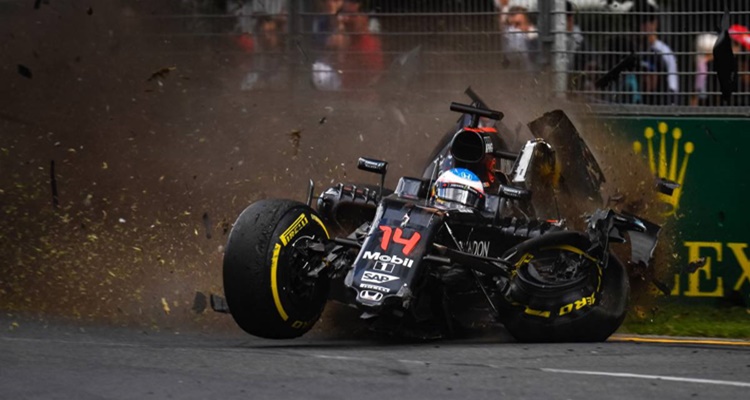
458	186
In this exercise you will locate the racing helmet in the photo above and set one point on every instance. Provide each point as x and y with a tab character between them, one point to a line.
458	187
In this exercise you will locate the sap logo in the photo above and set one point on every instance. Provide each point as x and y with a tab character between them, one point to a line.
375	255
370	295
377	278
478	248
374	287
384	267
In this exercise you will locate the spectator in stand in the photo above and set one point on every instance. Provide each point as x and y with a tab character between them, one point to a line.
573	37
574	44
522	37
741	46
246	12
740	36
358	58
660	82
503	7
703	64
267	68
363	52
326	21
627	88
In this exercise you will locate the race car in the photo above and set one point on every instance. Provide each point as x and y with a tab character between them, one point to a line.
473	232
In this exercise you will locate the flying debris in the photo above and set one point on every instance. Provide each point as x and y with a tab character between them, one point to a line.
725	63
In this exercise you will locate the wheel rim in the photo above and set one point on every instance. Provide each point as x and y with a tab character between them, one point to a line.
301	262
557	271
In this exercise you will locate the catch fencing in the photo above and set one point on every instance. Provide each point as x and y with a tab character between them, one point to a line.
567	46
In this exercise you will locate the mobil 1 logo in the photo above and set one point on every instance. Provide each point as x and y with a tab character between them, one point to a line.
383	267
386	258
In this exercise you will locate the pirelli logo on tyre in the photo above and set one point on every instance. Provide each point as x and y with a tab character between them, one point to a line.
587	301
294	229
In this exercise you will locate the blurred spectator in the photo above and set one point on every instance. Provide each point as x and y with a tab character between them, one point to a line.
659	82
703	60
268	69
247	12
522	37
741	46
325	21
706	83
358	54
627	89
573	59
574	37
503	7
365	53
327	36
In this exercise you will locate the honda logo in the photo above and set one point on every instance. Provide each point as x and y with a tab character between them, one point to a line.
370	295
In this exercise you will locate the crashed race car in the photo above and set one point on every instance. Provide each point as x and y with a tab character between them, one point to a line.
474	232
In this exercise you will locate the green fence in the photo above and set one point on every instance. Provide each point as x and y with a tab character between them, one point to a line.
709	158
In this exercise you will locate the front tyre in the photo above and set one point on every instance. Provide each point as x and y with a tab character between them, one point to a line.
267	263
560	293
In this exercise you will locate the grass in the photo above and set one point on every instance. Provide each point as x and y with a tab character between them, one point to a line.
679	319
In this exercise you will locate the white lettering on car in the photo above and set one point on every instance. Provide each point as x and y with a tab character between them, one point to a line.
375	277
384	267
478	248
375	287
375	255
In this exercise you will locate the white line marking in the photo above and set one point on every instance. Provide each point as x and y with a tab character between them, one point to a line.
343	358
417	362
367	359
654	377
75	342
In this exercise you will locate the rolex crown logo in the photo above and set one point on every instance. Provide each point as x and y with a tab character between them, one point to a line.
664	165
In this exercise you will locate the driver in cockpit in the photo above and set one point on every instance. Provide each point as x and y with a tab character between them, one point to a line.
457	188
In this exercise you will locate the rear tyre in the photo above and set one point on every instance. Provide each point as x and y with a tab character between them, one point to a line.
561	294
266	269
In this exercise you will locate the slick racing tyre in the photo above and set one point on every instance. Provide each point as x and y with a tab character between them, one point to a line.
267	284
561	294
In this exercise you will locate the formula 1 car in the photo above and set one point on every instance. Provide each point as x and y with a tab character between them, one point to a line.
471	233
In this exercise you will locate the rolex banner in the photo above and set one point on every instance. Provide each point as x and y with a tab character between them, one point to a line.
710	159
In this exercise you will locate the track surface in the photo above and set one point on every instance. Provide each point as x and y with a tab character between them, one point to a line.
51	360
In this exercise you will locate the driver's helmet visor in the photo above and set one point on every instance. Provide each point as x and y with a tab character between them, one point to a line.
458	193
